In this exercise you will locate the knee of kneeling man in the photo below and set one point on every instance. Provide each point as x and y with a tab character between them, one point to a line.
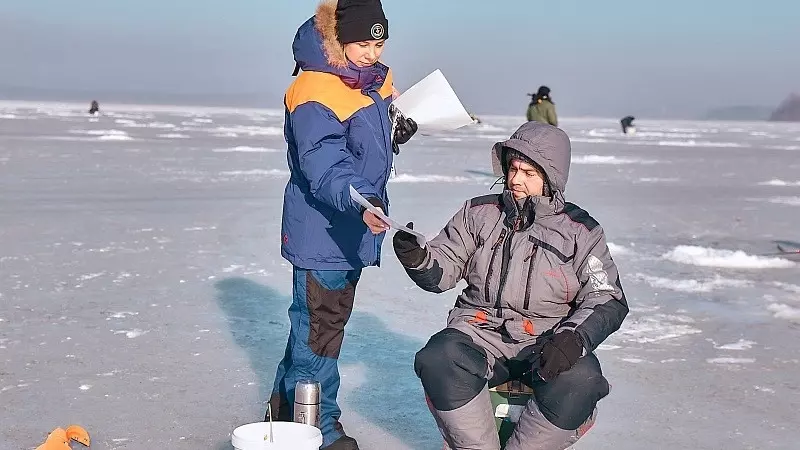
450	350
591	386
572	410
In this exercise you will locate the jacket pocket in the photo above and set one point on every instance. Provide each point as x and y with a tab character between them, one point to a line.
496	248
551	276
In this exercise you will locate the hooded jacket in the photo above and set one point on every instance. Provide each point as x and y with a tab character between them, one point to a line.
543	111
338	133
534	267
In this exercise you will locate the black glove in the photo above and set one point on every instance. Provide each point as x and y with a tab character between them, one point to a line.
405	128
559	354
407	249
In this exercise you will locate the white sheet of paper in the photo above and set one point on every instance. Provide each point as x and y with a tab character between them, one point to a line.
433	104
421	240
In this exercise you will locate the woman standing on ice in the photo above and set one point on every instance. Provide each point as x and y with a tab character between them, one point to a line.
339	135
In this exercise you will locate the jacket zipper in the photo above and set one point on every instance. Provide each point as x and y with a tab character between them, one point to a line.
377	102
504	265
531	266
491	263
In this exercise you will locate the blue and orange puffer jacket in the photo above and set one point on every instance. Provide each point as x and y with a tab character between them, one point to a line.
338	134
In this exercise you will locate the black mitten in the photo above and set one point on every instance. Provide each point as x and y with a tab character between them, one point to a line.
559	354
407	249
406	127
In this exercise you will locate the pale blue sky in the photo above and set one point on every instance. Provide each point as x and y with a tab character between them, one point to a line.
646	57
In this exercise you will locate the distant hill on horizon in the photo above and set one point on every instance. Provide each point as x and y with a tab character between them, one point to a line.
788	110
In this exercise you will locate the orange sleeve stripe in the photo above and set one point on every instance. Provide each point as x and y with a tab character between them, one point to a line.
329	90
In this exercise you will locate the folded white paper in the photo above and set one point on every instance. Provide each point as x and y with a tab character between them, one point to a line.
433	104
421	240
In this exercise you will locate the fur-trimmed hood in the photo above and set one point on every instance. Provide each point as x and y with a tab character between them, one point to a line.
317	49
325	23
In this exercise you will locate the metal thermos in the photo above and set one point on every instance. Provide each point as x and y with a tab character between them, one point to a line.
306	402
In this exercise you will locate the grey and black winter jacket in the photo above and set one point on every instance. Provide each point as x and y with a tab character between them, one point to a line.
534	267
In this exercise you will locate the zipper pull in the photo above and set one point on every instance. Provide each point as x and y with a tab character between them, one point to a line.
535	247
500	239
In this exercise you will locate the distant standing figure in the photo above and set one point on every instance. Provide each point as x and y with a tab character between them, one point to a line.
542	109
627	124
94	108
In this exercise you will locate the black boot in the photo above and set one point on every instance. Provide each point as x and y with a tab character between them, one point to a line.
280	409
343	443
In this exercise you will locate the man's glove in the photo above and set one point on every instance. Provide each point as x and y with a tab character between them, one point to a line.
559	354
405	128
408	251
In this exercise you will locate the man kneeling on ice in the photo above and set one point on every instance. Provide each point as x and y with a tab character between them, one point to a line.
542	293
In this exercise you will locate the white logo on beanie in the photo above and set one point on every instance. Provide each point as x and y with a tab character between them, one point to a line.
377	31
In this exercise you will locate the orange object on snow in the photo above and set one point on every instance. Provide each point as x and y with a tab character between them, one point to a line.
59	438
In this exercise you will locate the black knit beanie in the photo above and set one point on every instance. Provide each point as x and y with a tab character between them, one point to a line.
543	91
360	20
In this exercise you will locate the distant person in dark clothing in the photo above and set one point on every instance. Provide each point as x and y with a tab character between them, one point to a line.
542	109
94	108
627	124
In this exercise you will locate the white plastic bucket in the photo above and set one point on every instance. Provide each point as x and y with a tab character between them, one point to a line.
286	436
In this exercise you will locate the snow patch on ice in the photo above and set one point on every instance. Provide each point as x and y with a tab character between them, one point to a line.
742	344
100	132
249	130
690	285
608	347
408	178
174	136
784	147
132	334
122	315
256	173
590	140
233	268
90	276
656	328
114	137
728	360
658	180
161	125
617	249
693	143
782	183
793	288
791	201
246	149
782	311
85	387
633	360
127	123
612	160
727	259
